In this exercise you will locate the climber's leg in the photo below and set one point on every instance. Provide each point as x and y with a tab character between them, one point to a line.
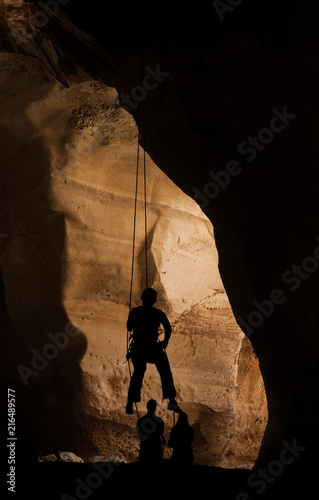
163	368
134	392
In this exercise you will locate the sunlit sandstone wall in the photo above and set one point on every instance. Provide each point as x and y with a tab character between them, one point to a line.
68	175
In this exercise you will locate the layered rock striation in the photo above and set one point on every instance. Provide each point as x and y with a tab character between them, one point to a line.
68	176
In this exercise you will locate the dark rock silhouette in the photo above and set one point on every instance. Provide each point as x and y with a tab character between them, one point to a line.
180	440
233	123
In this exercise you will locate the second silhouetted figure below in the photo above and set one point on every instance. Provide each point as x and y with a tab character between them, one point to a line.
144	323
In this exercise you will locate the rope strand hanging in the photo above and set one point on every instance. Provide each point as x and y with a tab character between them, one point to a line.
145	200
135	209
141	127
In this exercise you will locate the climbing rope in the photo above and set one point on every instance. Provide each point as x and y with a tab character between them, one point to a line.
135	207
141	126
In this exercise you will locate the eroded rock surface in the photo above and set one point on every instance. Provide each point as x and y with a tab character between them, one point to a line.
68	181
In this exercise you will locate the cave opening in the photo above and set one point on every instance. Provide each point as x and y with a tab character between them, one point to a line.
220	83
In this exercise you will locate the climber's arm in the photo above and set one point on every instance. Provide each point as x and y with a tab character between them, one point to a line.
167	329
130	321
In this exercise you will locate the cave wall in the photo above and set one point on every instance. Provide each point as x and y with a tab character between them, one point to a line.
68	174
228	80
233	122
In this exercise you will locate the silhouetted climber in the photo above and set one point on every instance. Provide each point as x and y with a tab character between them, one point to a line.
144	323
180	440
150	430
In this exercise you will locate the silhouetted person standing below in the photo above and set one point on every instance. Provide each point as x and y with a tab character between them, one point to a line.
150	429
180	440
144	323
